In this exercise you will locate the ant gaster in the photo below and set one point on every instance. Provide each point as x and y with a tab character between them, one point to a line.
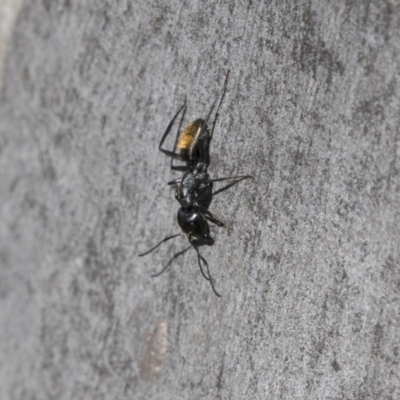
194	189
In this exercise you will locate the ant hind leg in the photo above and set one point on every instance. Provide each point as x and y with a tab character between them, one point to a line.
219	105
169	127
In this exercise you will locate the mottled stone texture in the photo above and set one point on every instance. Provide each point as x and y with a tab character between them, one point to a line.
309	265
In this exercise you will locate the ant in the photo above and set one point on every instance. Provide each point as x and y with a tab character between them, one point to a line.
194	189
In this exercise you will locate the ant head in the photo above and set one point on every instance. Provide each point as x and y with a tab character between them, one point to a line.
195	226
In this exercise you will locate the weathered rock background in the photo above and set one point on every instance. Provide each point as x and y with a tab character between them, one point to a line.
309	266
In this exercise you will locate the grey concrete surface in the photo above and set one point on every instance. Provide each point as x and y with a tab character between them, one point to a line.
9	10
309	265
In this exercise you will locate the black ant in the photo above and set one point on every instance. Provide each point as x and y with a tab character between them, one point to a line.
194	190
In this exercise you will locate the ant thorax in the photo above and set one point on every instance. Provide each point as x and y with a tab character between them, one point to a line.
195	188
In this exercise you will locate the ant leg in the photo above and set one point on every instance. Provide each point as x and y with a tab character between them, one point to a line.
167	152
210	217
204	127
174	182
239	179
199	257
214	220
227	178
219	105
182	168
170	261
162	241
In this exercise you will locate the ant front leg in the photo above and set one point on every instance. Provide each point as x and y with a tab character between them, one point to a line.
174	182
214	220
210	217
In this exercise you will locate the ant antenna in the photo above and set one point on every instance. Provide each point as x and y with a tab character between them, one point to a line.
209	278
